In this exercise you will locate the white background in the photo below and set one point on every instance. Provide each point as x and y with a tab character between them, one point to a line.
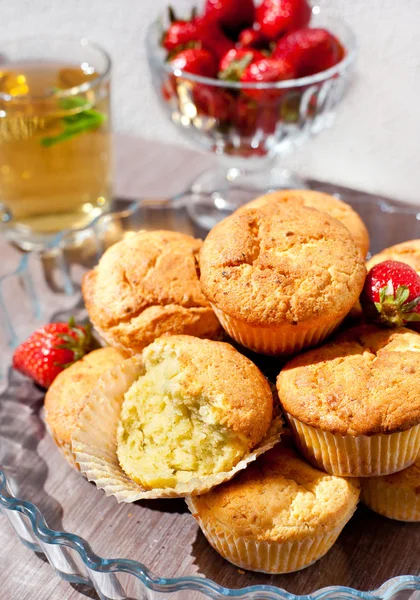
374	144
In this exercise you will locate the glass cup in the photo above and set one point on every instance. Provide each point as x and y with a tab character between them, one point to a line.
55	144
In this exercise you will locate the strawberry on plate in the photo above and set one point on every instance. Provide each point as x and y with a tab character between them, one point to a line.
235	61
309	50
267	70
277	17
195	60
391	295
50	349
232	15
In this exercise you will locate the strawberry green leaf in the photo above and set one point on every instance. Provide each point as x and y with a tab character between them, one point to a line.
236	68
412	305
402	294
412	317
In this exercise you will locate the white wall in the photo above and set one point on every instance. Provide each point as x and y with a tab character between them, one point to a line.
375	144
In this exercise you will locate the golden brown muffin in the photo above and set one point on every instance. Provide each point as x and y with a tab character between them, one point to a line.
395	496
281	277
279	515
69	391
146	286
354	404
324	202
196	410
407	252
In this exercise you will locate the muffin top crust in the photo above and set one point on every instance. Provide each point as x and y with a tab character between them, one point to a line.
281	263
279	498
364	382
324	202
145	286
407	252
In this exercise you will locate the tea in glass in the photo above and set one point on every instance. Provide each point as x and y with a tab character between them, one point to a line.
55	147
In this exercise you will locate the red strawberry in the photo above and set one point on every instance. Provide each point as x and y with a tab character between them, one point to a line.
266	70
235	62
232	15
205	32
245	115
310	50
391	295
195	60
213	102
277	17
252	38
179	34
50	349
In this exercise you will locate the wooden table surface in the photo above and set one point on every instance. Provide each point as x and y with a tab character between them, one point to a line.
142	169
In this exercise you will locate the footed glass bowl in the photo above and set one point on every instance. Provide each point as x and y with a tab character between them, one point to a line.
154	550
247	125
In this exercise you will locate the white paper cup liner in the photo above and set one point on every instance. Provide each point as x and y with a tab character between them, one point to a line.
64	447
284	340
268	556
390	500
94	442
356	456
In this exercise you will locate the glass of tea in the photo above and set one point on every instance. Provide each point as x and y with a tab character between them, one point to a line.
55	146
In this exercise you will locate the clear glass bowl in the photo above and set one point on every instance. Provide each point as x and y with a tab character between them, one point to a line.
42	497
247	125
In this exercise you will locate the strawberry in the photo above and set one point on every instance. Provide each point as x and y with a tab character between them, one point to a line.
195	60
391	295
235	61
231	15
179	34
266	70
252	38
50	349
277	17
309	50
205	32
250	116
213	102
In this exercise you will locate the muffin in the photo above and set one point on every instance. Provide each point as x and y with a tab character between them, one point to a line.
69	391
176	420
324	202
278	516
395	496
281	277
354	404
407	252
145	286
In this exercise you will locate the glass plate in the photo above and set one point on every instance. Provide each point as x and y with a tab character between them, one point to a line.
38	487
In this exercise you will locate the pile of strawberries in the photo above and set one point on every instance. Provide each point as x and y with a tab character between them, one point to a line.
233	40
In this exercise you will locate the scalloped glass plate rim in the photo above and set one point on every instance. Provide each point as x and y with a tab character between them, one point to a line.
158	584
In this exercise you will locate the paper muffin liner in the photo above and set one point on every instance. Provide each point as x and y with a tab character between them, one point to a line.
357	456
94	442
392	501
287	339
64	447
268	556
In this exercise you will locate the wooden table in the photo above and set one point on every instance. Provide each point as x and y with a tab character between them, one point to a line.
142	169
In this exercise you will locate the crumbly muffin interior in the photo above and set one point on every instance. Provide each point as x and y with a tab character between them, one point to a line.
166	435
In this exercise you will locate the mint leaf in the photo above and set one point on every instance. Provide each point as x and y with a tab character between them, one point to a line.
86	120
